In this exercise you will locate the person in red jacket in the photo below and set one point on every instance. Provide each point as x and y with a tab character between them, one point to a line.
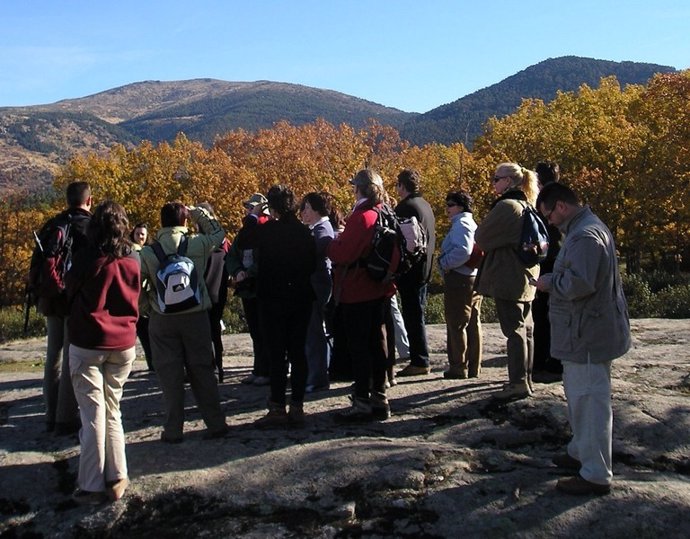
362	301
103	293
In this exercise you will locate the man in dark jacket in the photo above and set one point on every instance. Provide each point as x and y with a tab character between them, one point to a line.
413	285
287	258
62	414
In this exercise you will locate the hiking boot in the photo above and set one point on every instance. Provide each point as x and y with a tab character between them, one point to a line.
296	415
116	489
359	412
275	418
567	462
414	370
380	409
261	381
580	486
511	392
454	374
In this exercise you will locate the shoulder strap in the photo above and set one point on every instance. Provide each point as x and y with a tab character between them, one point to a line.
158	251
182	247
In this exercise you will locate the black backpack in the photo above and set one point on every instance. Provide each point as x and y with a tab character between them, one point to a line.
534	240
51	259
397	245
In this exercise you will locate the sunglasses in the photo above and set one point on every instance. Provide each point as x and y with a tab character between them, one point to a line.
451	204
496	179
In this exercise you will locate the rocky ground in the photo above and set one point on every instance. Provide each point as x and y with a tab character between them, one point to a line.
449	463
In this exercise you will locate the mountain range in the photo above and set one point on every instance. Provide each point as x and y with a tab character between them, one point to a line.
35	140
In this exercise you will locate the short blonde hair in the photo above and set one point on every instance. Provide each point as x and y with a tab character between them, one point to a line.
521	178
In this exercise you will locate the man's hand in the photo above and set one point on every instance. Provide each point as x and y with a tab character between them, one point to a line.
543	284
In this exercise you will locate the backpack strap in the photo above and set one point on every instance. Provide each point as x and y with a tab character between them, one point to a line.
158	251
182	247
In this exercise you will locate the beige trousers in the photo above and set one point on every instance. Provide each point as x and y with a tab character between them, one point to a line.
98	377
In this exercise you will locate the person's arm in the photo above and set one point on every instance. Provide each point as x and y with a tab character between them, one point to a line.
578	277
209	226
461	243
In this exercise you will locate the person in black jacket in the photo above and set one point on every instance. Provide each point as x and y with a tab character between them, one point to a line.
413	285
546	369
62	414
287	258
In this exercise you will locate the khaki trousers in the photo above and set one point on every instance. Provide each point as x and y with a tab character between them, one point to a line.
98	378
463	327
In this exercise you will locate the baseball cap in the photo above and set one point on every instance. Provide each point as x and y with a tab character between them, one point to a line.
256	198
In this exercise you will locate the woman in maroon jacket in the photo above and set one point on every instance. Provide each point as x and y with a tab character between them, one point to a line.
103	289
362	301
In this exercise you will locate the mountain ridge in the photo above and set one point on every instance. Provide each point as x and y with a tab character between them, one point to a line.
35	140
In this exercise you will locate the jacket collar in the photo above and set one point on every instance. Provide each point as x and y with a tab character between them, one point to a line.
511	194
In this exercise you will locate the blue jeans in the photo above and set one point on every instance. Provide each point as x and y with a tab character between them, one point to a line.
413	302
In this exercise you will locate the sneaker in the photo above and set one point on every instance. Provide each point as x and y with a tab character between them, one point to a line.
359	412
580	486
116	489
248	379
296	415
275	418
567	462
85	497
414	370
511	392
261	381
452	374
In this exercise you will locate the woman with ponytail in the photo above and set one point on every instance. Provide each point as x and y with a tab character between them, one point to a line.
504	277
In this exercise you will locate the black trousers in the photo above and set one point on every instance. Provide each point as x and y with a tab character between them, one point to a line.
285	333
365	335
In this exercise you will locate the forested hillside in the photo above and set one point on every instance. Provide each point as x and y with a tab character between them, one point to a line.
463	120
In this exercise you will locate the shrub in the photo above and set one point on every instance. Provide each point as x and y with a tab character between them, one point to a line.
639	295
673	302
658	280
12	324
434	309
233	315
488	313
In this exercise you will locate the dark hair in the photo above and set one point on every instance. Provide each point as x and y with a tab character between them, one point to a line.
174	214
461	198
281	199
548	172
410	179
138	225
555	192
323	204
108	229
77	194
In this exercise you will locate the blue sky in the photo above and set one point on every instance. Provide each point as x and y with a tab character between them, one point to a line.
412	55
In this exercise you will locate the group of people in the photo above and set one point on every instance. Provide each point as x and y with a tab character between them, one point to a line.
315	314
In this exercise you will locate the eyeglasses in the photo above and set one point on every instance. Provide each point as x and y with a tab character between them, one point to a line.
451	204
496	179
547	215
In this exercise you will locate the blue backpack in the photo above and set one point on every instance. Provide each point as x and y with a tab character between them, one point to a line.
177	282
534	240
